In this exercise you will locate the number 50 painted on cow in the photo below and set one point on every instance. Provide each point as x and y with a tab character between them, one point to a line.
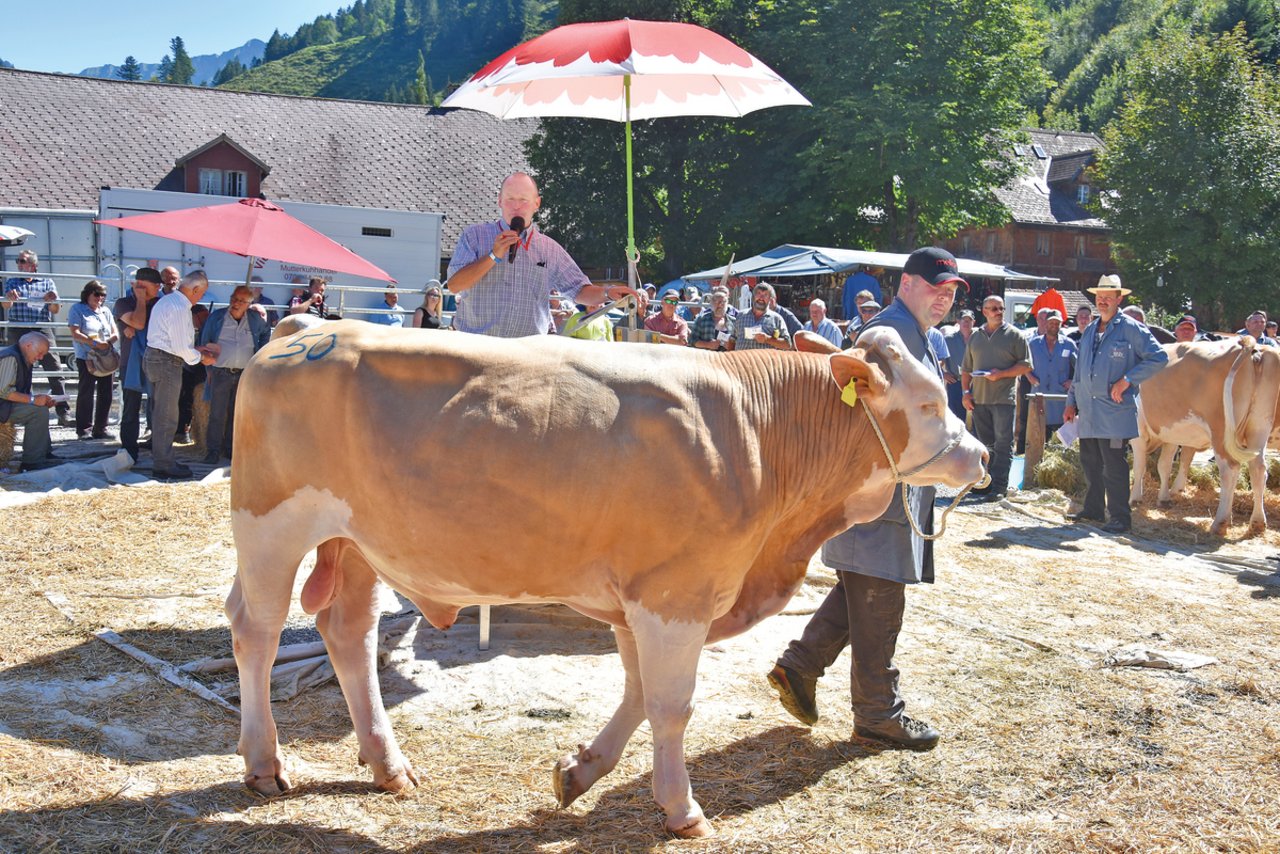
315	351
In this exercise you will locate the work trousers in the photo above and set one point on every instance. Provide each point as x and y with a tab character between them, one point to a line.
1106	471
864	614
993	425
222	409
164	370
93	399
34	421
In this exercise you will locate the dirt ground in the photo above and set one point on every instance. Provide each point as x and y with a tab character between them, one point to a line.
1045	749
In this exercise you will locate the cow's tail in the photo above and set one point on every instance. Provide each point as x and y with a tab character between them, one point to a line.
1236	412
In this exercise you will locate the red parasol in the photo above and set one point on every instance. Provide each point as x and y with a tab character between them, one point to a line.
253	228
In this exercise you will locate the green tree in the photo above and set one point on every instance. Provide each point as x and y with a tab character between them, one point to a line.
1192	176
421	90
130	70
914	101
233	69
182	69
165	71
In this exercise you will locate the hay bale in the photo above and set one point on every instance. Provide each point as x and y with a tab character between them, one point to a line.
8	436
1059	469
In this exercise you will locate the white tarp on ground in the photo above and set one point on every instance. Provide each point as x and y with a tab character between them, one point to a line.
82	475
792	259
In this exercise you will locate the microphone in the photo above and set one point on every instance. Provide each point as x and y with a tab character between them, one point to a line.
517	225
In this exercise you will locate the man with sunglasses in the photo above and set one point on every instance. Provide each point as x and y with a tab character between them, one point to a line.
996	356
670	326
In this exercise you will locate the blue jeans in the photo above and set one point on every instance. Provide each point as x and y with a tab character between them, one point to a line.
993	425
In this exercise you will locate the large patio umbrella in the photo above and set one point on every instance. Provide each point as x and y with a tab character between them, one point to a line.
624	70
253	228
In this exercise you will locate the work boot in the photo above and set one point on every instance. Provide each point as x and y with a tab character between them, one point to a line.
796	693
900	732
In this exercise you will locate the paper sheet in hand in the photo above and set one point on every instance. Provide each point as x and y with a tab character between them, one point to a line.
1068	433
751	332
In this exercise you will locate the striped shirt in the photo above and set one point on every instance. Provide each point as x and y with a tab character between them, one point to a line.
513	300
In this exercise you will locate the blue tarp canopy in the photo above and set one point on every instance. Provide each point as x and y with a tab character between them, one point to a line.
792	259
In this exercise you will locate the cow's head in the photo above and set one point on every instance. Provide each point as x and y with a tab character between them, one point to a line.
927	443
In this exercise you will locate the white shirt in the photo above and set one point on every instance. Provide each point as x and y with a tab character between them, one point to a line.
170	328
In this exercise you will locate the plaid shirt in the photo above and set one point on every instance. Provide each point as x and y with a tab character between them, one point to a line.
704	325
770	323
30	291
513	300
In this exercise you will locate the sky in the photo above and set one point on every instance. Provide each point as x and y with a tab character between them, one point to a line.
71	35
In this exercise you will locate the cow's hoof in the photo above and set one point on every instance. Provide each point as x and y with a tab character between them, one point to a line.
567	786
696	828
405	781
1218	529
1165	502
268	784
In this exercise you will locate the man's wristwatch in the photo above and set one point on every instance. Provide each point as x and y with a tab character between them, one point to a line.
494	258
968	392
32	401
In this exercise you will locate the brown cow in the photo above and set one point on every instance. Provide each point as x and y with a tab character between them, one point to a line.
1219	394
770	459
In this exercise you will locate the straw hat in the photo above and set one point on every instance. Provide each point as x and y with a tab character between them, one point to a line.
1110	283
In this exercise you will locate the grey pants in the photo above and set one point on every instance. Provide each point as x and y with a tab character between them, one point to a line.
34	421
164	370
222	409
993	426
864	614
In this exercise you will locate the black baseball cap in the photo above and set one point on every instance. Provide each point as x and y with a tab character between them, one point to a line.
935	265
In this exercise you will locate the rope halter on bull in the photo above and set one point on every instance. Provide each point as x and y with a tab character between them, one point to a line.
900	476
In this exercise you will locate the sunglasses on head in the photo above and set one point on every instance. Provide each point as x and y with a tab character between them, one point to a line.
671	301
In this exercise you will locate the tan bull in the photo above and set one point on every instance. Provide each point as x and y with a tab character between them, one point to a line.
1213	394
476	434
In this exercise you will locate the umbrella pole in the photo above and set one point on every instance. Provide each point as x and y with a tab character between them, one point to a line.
633	257
248	274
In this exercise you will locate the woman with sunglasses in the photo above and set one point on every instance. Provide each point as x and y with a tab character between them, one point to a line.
92	328
429	315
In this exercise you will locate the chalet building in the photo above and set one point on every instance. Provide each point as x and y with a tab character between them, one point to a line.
66	137
1050	232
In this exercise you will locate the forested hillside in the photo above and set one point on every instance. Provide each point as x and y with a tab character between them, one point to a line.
395	50
1090	43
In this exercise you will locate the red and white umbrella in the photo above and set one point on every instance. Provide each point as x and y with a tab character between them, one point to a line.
624	70
253	228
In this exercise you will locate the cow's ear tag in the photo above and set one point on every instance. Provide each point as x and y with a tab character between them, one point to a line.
850	393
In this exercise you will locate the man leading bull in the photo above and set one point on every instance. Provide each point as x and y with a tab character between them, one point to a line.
875	561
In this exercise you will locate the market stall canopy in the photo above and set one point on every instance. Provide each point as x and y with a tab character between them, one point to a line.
797	260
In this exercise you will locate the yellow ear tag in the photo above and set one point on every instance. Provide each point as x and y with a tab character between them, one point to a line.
850	393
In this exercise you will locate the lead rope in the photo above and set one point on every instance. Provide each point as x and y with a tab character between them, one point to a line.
897	476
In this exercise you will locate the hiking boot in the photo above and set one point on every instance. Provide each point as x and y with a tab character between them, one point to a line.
178	472
900	732
796	693
1082	516
1116	526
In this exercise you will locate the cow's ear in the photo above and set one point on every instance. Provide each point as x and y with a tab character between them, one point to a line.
852	365
812	342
